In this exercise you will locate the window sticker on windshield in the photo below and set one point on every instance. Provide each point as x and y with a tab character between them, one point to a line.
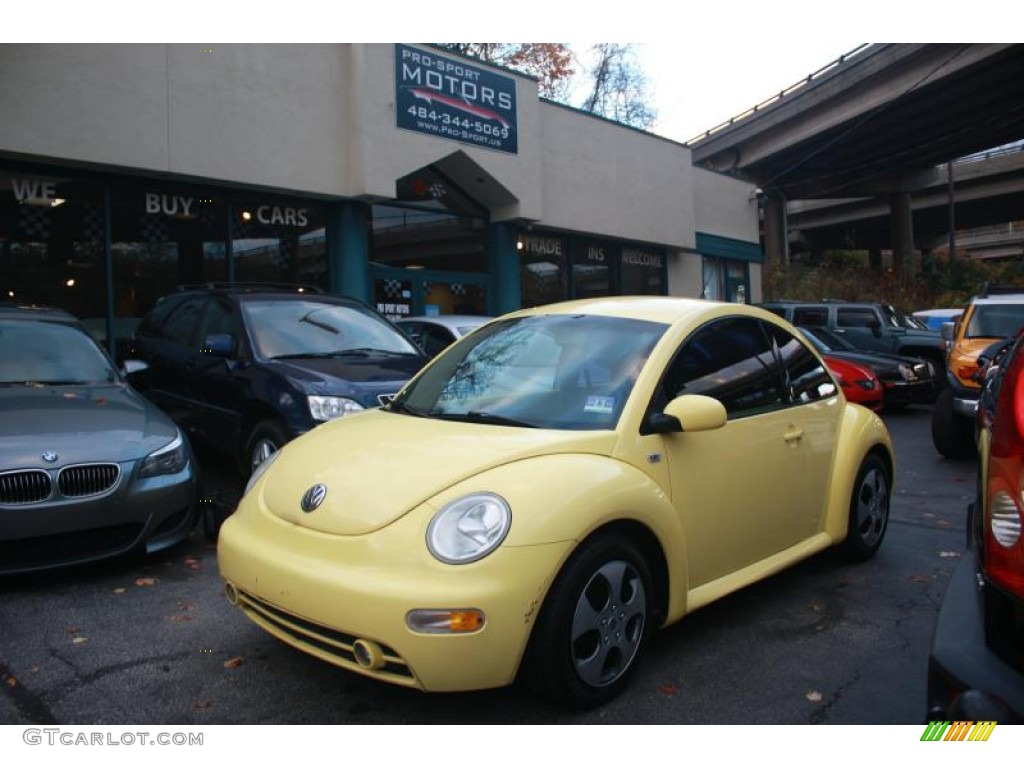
599	404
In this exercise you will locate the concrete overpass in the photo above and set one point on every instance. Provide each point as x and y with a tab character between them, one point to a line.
872	134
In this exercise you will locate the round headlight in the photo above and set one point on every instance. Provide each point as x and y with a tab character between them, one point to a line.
469	528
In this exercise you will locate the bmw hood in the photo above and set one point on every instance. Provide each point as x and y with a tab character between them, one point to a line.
105	422
377	466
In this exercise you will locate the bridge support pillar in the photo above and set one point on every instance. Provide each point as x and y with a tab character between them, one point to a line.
776	235
901	223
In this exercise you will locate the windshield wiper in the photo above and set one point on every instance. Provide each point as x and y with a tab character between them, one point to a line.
482	417
401	407
367	351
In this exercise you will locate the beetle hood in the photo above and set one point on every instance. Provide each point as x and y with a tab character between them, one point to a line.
377	466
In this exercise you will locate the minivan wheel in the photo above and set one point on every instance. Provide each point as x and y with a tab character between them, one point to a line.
266	438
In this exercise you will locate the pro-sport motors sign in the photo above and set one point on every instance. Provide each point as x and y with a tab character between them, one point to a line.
455	100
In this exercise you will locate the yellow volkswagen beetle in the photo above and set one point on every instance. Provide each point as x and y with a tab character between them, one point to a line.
552	488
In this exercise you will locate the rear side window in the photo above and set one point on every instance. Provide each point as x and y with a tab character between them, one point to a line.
856	318
154	319
806	378
810	316
180	326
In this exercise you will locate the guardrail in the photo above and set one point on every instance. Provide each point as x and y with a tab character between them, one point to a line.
781	94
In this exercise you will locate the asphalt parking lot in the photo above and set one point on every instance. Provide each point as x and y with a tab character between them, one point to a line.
153	640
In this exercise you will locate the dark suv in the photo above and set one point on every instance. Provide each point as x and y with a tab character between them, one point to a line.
976	665
871	326
246	368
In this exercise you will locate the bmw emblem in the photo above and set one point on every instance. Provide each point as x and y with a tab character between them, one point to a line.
314	497
49	457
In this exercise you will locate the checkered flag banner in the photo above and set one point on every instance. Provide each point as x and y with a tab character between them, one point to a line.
284	252
154	228
458	289
239	228
207	216
92	223
393	289
34	222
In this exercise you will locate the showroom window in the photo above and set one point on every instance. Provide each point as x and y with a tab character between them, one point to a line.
278	241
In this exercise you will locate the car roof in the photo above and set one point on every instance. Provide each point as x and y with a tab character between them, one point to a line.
659	309
13	311
447	320
1001	299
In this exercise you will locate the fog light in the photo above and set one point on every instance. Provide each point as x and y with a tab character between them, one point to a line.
231	593
368	654
433	621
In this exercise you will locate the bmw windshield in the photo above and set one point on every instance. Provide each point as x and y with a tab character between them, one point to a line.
549	371
41	352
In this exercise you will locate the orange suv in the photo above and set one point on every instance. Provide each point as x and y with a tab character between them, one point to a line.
993	315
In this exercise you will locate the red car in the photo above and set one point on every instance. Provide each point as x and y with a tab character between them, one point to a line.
858	382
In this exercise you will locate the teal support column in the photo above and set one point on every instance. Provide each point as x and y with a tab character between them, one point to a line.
503	259
348	249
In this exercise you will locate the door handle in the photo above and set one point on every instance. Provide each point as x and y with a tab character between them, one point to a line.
793	435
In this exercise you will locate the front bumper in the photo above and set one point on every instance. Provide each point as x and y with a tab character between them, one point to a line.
321	593
148	515
960	660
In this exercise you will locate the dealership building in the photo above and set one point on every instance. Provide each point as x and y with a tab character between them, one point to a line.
411	178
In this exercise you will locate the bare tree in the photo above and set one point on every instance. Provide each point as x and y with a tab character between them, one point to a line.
608	75
618	86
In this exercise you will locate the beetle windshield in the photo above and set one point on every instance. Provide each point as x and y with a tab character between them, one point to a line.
40	352
548	371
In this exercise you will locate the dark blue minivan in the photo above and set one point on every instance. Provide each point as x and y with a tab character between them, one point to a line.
246	368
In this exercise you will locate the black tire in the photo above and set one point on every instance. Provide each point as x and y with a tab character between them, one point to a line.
211	518
593	626
267	437
952	435
869	510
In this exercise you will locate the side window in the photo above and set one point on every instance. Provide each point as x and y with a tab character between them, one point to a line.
181	325
815	316
434	339
221	318
732	361
806	377
856	318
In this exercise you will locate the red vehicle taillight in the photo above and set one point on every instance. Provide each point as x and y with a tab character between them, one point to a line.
1004	547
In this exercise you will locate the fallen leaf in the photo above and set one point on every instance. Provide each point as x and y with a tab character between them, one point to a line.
201	705
11	680
949	554
814	696
816	608
79	640
235	662
72	630
181	617
145	581
668	689
920	579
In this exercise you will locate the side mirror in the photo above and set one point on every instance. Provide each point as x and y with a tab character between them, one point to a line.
948	329
690	413
219	345
131	367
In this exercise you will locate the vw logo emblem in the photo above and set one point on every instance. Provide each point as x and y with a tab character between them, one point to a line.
314	497
49	457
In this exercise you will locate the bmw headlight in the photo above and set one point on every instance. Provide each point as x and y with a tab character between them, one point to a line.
323	408
469	528
169	460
